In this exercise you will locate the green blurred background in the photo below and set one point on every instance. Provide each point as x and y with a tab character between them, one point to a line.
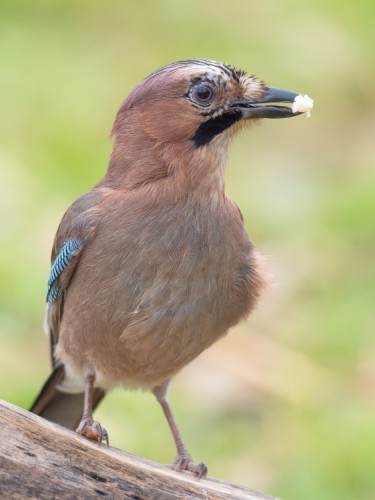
284	404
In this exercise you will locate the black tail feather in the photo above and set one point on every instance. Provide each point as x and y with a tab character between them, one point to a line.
61	407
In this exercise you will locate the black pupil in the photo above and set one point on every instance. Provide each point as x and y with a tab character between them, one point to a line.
203	92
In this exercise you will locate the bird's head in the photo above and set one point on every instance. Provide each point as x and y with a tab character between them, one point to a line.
183	116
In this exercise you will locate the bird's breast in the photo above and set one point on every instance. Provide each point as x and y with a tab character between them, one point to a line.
161	285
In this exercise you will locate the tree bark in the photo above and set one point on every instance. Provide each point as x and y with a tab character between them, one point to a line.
42	460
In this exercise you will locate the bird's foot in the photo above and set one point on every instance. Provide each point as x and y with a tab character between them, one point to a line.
185	462
91	429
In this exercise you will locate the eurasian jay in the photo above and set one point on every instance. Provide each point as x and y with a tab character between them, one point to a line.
154	264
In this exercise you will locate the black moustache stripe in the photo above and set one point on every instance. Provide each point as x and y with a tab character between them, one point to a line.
208	130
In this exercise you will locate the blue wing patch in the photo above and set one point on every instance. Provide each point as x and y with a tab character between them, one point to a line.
68	252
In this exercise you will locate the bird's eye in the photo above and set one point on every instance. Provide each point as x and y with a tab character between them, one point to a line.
202	94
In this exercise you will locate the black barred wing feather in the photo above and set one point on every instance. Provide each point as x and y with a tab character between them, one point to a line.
66	256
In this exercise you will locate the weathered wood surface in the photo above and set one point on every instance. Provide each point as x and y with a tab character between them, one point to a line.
42	460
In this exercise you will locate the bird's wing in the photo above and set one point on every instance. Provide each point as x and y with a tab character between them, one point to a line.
75	232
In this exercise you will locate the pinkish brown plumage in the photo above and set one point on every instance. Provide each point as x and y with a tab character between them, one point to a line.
154	265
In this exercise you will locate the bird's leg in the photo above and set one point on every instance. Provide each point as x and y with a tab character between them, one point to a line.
183	460
88	427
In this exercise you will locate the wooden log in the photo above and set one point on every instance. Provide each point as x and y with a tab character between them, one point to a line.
42	460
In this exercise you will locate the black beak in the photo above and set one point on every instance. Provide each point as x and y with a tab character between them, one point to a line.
254	109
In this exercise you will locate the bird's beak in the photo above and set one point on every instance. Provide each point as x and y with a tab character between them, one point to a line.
255	108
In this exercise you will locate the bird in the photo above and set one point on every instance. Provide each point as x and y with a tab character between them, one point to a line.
154	265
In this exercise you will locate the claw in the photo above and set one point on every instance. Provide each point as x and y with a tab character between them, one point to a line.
184	462
93	430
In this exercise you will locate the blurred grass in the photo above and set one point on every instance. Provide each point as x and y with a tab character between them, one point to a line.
296	417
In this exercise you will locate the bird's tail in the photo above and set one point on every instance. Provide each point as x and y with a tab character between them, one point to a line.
61	407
